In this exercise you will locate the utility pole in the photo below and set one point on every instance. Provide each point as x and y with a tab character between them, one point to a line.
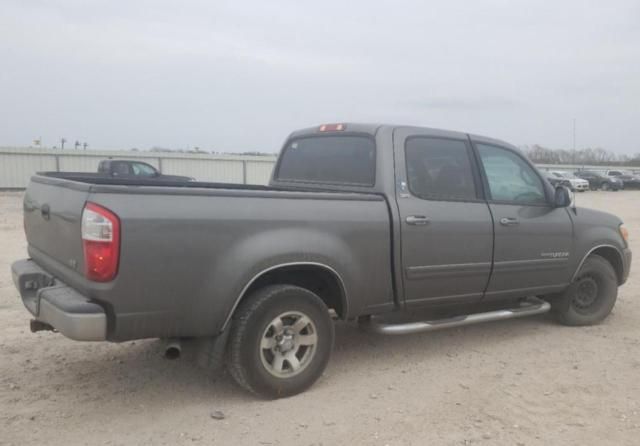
574	142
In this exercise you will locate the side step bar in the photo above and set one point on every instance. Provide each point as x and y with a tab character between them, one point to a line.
527	307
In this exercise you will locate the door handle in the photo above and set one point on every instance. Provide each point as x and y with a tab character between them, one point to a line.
418	220
45	211
508	221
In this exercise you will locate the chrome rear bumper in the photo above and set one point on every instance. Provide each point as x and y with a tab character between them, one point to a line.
58	305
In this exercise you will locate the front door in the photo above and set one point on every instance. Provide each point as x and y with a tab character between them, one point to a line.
533	239
446	228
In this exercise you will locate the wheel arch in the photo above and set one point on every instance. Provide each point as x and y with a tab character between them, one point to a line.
317	277
611	254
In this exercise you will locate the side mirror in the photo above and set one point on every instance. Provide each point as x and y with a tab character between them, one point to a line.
563	197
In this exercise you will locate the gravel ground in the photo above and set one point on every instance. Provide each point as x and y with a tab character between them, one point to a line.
521	382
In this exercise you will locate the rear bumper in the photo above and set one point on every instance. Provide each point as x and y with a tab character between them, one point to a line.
54	303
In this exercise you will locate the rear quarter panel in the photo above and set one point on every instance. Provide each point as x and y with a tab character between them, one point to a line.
186	258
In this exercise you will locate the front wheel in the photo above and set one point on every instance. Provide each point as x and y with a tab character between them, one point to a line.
280	341
591	296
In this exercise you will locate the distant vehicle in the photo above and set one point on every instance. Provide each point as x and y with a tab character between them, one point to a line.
556	180
135	170
568	179
598	180
629	179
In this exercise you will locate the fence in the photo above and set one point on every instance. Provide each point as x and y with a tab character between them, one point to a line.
18	164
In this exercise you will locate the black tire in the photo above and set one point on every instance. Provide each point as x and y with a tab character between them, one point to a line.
591	296
248	361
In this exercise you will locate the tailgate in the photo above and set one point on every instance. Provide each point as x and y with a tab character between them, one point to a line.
52	219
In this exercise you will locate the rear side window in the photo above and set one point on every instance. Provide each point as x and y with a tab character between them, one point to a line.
439	169
332	159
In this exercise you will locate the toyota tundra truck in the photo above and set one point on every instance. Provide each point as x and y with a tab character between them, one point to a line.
402	229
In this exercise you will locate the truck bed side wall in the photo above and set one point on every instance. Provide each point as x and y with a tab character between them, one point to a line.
185	259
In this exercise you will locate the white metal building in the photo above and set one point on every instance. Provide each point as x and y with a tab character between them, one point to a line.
18	164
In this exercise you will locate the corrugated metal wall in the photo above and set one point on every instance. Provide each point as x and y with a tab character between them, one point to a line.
18	164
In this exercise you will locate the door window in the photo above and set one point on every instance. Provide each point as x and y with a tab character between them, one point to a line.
143	170
120	169
510	177
439	169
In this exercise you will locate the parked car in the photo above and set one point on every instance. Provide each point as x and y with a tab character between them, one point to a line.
556	180
375	223
130	169
629	180
568	179
598	180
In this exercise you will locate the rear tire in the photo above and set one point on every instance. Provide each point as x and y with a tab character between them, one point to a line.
280	341
591	296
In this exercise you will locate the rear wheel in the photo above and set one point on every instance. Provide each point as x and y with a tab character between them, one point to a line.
591	296
280	341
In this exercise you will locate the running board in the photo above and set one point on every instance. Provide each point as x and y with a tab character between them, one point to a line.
527	307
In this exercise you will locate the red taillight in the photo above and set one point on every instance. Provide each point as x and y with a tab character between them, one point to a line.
101	242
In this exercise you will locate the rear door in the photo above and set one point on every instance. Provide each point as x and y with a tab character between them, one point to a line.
533	239
446	227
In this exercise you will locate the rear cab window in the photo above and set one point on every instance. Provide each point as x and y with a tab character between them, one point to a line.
329	159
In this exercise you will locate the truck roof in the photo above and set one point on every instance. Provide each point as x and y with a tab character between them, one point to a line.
373	128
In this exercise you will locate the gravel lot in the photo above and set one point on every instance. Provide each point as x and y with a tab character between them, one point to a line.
521	382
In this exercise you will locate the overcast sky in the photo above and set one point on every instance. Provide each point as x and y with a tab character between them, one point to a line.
241	75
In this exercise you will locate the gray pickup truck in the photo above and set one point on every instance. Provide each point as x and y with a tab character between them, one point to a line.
403	229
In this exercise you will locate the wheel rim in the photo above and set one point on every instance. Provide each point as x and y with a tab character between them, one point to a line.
585	297
288	344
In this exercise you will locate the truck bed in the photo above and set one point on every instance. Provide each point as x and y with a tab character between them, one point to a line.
189	249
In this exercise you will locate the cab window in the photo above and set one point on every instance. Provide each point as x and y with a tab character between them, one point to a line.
343	159
510	177
119	168
439	169
143	170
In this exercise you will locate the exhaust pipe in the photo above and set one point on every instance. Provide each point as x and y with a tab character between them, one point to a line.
173	349
37	326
